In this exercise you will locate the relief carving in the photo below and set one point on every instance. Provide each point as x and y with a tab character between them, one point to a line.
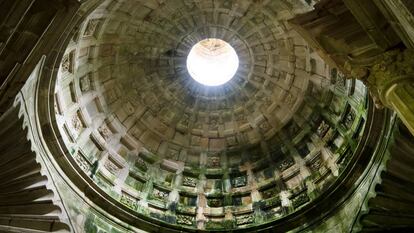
382	71
172	154
269	193
104	131
239	181
287	163
111	167
322	129
185	219
349	118
316	164
129	201
85	83
68	62
76	123
141	164
244	219
215	202
300	200
91	27
190	181
159	194
82	162
214	162
264	126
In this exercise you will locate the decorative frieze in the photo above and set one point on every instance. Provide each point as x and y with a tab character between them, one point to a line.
85	83
185	119
159	194
91	27
215	202
300	200
239	181
274	212
339	78
264	126
76	123
129	201
322	129
269	193
189	181
172	154
214	162
244	219
287	163
104	131
112	167
213	123
231	141
185	219
68	62
349	118
141	164
316	164
82	162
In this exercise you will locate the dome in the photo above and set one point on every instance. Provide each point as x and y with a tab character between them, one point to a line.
156	116
256	149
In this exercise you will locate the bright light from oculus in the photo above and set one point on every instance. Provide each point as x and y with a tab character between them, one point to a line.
212	62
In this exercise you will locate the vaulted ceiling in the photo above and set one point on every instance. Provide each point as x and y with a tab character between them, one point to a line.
279	133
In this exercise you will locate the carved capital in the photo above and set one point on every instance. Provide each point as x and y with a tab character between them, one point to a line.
383	72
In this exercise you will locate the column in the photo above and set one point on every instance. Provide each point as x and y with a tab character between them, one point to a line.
390	80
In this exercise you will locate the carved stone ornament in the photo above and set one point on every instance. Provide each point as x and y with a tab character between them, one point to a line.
349	118
239	181
91	27
286	164
82	162
159	194
215	202
316	164
269	193
214	162
300	200
244	219
264	126
185	120
190	181
185	219
141	165
68	62
85	83
104	131
213	124
111	167
76	123
322	129
231	141
382	72
172	154
129	201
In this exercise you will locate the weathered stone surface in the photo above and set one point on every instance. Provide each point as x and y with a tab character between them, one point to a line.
148	129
